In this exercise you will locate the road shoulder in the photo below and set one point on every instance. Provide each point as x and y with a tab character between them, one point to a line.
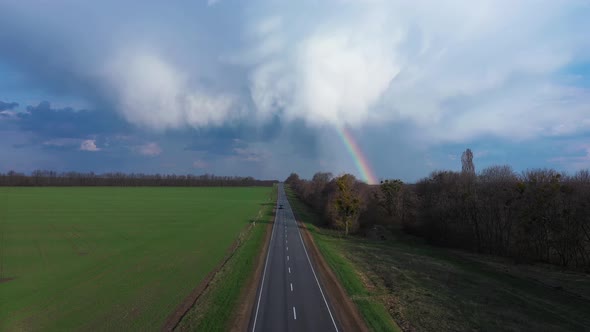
248	295
346	312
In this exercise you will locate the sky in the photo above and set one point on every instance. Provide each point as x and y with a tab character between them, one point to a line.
264	88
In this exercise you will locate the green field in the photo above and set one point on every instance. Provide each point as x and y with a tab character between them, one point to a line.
112	258
426	288
215	308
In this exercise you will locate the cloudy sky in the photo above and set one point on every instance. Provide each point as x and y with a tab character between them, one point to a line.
262	87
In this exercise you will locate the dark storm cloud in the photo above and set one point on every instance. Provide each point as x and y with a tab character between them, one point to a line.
47	122
285	138
69	48
64	129
7	106
49	60
300	140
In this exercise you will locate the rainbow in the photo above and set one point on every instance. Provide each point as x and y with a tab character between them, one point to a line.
360	161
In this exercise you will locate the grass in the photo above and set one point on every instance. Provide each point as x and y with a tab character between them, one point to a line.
425	288
215	309
369	304
111	258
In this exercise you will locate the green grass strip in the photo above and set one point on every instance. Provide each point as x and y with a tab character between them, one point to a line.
214	310
371	307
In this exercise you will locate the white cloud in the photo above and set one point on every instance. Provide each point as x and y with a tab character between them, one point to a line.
8	115
89	145
451	70
150	149
454	69
343	77
153	93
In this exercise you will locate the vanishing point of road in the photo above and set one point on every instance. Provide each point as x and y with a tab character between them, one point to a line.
290	297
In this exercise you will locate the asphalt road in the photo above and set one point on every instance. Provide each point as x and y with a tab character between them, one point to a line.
289	296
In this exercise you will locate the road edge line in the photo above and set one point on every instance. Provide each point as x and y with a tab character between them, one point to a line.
313	271
266	263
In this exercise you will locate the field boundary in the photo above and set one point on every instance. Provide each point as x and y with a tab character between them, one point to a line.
248	297
175	317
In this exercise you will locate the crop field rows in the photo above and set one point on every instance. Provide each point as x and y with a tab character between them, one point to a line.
111	258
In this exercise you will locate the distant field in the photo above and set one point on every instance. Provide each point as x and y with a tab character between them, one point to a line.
111	258
425	288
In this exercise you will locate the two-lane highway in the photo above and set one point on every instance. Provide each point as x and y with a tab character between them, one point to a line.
290	297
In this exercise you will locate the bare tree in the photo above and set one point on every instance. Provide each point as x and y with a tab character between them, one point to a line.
391	199
540	215
49	178
467	166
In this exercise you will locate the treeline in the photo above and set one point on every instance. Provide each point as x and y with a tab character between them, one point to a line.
540	215
42	178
